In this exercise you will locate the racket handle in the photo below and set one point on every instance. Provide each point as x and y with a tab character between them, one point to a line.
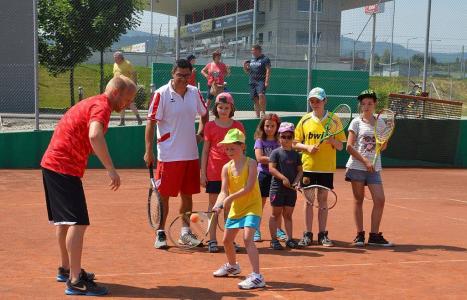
151	171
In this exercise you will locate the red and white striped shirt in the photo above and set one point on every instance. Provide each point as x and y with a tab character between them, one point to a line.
175	116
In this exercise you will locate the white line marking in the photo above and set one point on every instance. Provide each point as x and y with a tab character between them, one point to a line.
421	211
292	267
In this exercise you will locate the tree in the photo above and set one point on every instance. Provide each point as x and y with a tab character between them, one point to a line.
111	19
63	33
385	57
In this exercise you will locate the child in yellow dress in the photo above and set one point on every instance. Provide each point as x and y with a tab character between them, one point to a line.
240	191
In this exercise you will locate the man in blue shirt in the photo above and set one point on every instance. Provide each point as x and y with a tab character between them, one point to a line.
259	70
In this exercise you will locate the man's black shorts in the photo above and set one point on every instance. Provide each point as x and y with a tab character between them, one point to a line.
64	196
257	88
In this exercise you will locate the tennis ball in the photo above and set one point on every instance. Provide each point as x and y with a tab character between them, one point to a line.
194	218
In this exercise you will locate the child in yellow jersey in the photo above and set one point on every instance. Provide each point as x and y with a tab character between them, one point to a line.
319	161
240	191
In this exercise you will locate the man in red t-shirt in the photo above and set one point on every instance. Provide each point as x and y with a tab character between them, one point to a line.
79	133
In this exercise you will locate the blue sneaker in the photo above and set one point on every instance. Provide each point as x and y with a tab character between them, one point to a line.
63	275
84	287
281	235
257	236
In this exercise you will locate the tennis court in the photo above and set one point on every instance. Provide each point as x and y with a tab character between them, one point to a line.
425	216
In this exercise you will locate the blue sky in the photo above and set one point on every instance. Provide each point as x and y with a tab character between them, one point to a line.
448	24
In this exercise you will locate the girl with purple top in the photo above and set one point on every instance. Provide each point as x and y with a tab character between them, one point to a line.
266	136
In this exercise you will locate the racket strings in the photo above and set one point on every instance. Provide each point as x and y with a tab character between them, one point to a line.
341	117
385	124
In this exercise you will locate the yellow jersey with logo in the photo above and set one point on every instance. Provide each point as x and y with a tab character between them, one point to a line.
125	68
249	204
309	131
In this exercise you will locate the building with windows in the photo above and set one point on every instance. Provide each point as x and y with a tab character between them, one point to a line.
281	28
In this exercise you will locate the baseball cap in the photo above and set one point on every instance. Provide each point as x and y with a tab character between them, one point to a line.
225	97
317	93
234	135
190	57
286	127
369	93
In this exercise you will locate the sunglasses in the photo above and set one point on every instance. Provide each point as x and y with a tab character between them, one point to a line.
286	137
179	75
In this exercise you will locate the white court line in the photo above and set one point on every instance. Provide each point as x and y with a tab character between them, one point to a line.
292	267
421	211
430	198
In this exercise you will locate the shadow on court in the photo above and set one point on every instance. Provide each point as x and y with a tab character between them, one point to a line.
296	287
413	248
167	292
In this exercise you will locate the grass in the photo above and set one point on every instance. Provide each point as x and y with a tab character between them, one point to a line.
386	85
54	92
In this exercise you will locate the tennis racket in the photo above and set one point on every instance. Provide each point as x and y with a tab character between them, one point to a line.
311	196
337	121
154	203
199	222
384	127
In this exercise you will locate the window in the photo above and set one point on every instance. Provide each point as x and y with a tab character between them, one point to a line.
260	38
302	38
304	5
269	36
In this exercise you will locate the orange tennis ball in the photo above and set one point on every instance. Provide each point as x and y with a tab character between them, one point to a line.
194	218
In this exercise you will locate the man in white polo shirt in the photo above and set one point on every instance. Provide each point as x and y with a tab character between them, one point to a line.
174	108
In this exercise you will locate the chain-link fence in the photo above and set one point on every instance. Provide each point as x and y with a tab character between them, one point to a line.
77	41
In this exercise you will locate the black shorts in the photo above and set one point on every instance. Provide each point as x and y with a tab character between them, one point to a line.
324	179
264	180
283	198
65	200
213	187
257	88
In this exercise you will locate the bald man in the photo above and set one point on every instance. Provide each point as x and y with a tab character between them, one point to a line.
79	134
124	67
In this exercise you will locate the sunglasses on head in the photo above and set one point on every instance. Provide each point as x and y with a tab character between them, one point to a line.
286	137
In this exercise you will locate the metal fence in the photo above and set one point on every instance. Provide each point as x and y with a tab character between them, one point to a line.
76	57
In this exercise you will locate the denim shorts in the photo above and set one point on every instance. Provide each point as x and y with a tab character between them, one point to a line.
363	176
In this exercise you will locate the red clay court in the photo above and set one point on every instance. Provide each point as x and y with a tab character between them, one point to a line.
425	216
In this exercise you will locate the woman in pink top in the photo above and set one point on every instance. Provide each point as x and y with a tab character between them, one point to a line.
215	72
213	157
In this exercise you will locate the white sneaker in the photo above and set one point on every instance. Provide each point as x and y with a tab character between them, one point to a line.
227	269
253	281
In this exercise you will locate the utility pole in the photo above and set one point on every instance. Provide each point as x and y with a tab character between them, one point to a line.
373	44
427	40
309	67
255	8
392	38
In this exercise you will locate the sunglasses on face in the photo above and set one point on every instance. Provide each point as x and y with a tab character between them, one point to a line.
179	75
286	137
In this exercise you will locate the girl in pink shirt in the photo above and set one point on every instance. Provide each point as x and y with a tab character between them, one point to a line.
213	157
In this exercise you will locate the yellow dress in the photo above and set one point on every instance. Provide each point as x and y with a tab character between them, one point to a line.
246	210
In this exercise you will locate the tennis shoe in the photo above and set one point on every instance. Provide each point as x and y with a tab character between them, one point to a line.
307	239
84	287
257	236
276	245
359	240
292	244
213	247
190	239
227	269
161	240
64	274
253	281
237	247
377	239
324	240
281	236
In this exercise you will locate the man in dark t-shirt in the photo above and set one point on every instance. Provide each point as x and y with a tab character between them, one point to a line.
259	70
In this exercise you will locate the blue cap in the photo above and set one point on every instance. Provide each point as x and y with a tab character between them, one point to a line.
317	93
